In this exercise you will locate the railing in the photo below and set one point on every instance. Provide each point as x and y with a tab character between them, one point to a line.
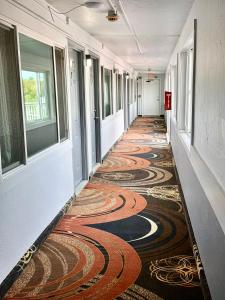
36	111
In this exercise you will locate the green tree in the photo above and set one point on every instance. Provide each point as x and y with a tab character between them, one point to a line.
30	89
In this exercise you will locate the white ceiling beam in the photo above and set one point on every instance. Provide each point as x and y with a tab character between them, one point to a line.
131	28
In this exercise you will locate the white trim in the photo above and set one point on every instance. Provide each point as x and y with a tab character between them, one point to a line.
22	97
39	37
56	94
80	187
185	138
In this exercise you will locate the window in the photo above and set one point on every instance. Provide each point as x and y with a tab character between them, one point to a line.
131	91
118	92
11	128
107	92
39	94
187	84
174	90
135	90
128	91
62	104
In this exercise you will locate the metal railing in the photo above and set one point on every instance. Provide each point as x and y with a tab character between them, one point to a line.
36	111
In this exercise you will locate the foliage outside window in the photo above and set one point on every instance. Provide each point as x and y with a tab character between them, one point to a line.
36	100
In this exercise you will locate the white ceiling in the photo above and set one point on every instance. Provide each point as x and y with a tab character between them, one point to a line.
157	24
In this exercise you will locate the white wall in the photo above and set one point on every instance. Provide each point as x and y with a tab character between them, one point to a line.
207	155
112	129
32	195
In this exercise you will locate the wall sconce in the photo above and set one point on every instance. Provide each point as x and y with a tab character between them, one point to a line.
88	60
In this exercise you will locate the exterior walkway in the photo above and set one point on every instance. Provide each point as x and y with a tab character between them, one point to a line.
125	236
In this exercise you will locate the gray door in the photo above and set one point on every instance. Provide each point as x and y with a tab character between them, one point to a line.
128	101
76	119
125	102
93	112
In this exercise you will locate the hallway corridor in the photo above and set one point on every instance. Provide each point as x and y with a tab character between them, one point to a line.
125	235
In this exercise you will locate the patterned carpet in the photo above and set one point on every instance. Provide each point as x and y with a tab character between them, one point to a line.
125	236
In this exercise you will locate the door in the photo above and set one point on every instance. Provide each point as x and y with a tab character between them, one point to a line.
125	102
131	95
151	101
128	100
95	111
76	117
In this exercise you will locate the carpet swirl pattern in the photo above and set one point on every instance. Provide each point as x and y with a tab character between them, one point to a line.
125	235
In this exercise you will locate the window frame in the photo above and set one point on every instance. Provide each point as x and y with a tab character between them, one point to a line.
174	89
119	92
22	163
34	125
186	99
36	36
131	91
65	93
103	71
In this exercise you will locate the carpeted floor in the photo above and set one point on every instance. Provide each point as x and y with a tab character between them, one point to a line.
125	236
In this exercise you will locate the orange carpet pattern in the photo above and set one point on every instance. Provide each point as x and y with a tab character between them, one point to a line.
124	236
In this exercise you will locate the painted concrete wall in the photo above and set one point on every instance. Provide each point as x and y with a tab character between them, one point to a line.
202	167
32	195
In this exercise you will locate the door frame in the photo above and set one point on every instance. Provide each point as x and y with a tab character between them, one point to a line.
82	103
97	74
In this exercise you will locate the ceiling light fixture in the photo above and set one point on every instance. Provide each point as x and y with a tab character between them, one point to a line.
112	16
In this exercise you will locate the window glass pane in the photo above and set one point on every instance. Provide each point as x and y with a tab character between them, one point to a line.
62	103
35	96
107	92
39	94
11	128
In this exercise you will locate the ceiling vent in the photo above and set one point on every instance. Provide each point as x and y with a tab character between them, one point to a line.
112	16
